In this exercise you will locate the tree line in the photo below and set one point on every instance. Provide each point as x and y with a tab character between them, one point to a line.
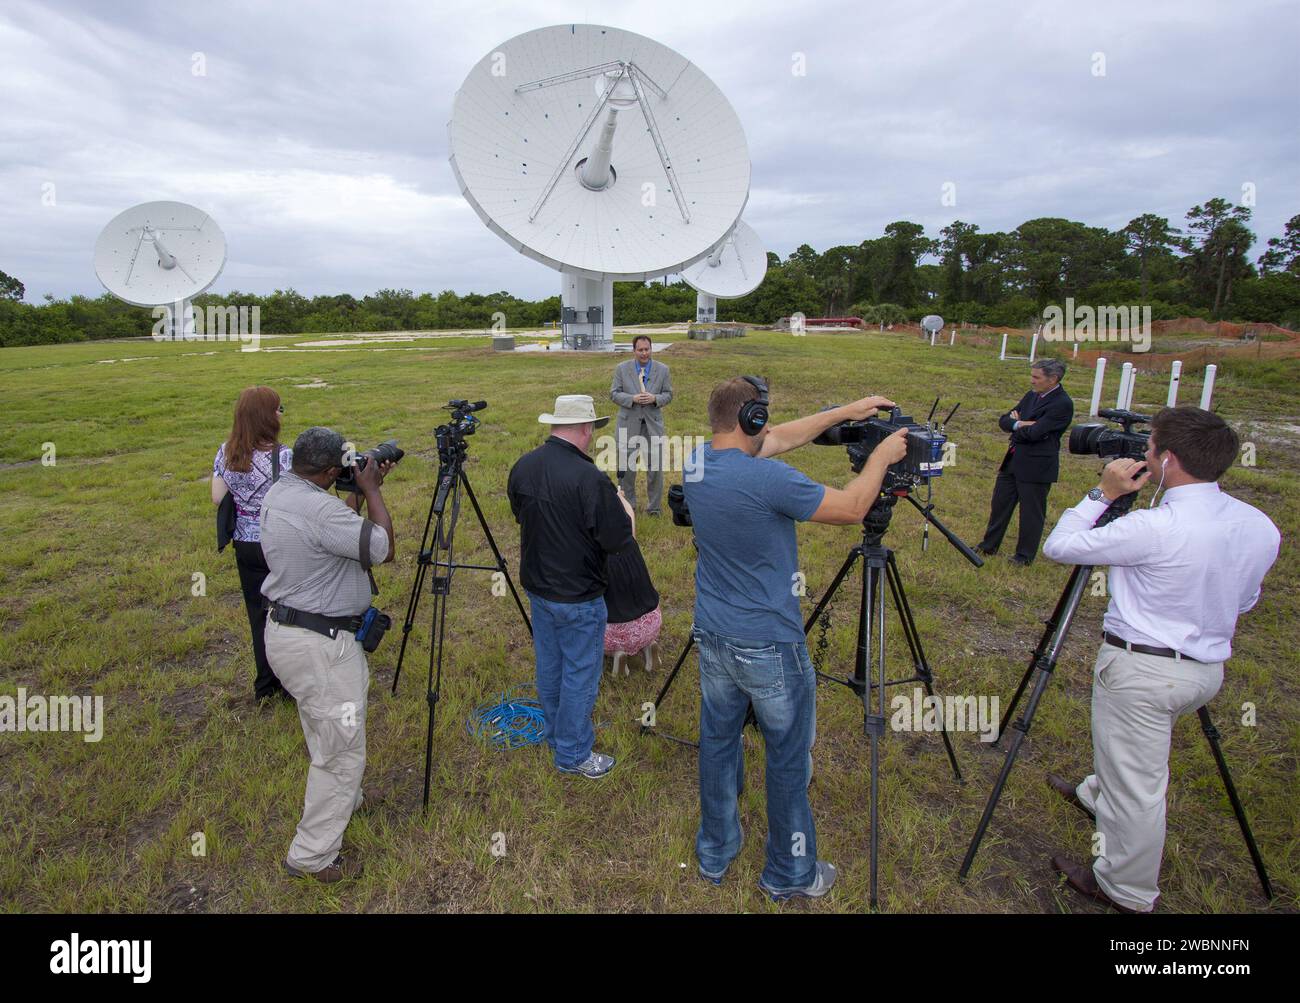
1202	269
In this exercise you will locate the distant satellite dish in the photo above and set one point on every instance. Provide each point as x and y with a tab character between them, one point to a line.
602	154
932	322
734	268
161	254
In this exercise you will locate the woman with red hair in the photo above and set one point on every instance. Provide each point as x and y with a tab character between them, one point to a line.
243	468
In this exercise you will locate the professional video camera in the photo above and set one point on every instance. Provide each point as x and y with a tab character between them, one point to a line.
385	452
1096	439
451	437
924	458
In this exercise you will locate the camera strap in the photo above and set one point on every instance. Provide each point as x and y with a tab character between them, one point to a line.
275	462
366	527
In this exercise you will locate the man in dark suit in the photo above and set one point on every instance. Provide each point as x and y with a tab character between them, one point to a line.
1032	463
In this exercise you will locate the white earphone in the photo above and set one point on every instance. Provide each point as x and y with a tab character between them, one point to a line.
1164	462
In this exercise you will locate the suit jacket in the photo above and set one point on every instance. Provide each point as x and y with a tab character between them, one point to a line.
627	384
1035	451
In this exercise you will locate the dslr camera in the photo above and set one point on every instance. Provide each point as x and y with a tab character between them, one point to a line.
1097	439
385	452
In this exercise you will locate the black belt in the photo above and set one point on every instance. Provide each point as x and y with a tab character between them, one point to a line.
327	625
1144	649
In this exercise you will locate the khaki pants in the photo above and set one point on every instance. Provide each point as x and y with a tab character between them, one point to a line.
1135	701
329	678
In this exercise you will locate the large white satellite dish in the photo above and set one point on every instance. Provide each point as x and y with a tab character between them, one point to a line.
602	154
734	268
161	254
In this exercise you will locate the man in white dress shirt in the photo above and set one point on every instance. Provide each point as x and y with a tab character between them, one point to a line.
1180	574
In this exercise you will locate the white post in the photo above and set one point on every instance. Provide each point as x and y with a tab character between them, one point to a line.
1002	357
1033	348
1096	388
1076	350
1125	375
932	334
1132	385
1208	392
1175	374
952	338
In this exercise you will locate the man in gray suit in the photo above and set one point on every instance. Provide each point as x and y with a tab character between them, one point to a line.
641	388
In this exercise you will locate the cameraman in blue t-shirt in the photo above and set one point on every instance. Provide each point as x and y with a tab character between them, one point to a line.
748	626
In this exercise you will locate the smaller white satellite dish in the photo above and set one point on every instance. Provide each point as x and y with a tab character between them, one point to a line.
160	254
732	269
932	322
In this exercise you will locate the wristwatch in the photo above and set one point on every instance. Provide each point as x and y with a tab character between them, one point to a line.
1096	494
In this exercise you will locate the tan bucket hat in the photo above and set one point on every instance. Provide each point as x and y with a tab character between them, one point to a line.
573	409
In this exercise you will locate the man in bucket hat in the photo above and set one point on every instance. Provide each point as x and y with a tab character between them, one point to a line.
570	518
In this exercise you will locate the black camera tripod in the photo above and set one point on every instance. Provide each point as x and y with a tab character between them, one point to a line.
440	555
1044	662
879	569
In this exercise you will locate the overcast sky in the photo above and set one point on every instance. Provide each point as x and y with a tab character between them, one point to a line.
316	135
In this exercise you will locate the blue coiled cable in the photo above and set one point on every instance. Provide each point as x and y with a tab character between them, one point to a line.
510	723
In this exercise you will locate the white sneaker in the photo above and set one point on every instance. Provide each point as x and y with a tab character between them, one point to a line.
821	884
593	767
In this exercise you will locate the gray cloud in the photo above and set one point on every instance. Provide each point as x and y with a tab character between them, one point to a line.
317	136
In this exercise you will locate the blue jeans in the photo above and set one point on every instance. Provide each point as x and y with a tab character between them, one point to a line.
569	642
777	678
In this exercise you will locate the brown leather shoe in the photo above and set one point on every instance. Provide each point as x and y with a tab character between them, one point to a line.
1082	880
1067	790
344	868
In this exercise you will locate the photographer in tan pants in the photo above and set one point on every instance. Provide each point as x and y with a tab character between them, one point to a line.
319	550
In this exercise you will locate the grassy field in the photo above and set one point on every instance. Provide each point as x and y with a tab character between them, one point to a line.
97	564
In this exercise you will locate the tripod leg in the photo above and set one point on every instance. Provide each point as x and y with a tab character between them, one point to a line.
1212	736
417	586
1045	665
501	561
663	690
441	600
1080	571
431	694
874	594
913	637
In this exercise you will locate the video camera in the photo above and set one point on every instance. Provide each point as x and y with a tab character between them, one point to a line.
385	452
451	436
1097	439
924	459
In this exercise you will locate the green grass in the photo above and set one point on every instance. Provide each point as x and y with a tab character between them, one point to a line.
97	554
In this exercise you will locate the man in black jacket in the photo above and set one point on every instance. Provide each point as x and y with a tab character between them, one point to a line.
1032	463
570	521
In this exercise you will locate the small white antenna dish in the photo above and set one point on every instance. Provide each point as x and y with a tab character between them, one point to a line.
932	322
161	254
734	268
602	154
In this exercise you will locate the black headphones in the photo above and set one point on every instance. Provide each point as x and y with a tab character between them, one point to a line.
753	414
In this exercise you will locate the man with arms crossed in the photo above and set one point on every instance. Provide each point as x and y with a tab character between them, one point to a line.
1180	574
748	626
1031	463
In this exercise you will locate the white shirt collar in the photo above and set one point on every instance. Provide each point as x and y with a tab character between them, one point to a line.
1190	490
